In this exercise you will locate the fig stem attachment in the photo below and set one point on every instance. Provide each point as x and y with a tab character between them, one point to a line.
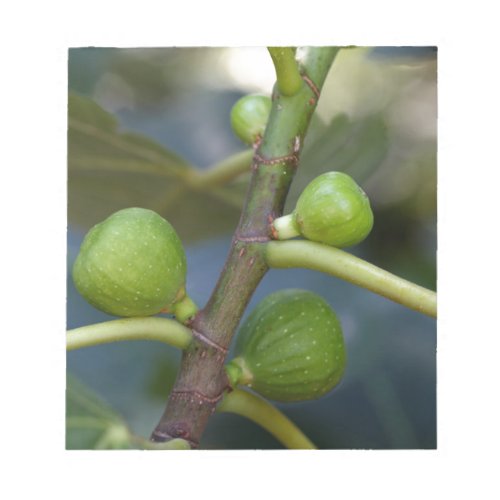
184	309
266	415
330	260
164	330
287	70
285	227
238	372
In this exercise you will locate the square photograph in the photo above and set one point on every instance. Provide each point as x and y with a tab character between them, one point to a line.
252	238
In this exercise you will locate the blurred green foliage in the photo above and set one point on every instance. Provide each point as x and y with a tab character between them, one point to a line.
90	422
376	120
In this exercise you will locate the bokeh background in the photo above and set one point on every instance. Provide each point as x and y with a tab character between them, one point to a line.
140	118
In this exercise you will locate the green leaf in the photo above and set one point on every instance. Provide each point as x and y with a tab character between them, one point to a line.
91	423
354	147
109	170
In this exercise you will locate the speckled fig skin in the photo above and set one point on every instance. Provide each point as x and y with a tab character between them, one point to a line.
249	117
334	210
292	344
131	264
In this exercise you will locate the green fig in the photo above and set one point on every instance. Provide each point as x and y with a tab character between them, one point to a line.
290	348
249	117
131	264
332	209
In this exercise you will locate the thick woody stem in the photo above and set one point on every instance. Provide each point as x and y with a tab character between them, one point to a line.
201	380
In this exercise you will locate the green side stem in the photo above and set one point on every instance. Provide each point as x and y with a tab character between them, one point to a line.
285	227
330	260
184	309
287	70
164	330
238	372
225	171
212	181
266	415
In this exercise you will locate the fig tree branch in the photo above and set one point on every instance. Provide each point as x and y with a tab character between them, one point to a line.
201	379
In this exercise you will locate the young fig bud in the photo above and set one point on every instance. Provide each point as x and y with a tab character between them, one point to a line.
131	264
290	348
332	209
249	117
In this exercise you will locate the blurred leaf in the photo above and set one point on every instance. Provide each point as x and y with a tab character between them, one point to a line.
408	55
90	423
109	170
86	65
162	380
88	112
156	73
356	147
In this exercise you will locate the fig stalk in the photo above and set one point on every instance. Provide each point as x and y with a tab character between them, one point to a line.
238	372
263	413
336	262
285	227
287	70
165	330
184	309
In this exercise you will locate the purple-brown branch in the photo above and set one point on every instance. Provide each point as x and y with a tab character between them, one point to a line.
201	380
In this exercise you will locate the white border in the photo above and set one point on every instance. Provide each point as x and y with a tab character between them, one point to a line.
34	57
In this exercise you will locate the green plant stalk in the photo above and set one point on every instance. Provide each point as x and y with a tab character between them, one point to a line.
184	309
285	227
330	260
212	181
266	415
164	330
201	379
223	172
287	70
238	372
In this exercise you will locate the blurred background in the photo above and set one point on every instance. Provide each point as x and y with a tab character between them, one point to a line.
139	119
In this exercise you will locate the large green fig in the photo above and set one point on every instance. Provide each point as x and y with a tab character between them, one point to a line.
131	264
290	348
332	209
249	117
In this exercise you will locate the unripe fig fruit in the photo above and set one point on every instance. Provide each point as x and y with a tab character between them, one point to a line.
332	209
249	117
290	348
131	264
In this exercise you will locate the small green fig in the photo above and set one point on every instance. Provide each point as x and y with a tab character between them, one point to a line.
131	264
332	209
290	348
249	117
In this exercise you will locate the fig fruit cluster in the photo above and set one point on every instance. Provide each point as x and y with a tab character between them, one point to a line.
290	348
